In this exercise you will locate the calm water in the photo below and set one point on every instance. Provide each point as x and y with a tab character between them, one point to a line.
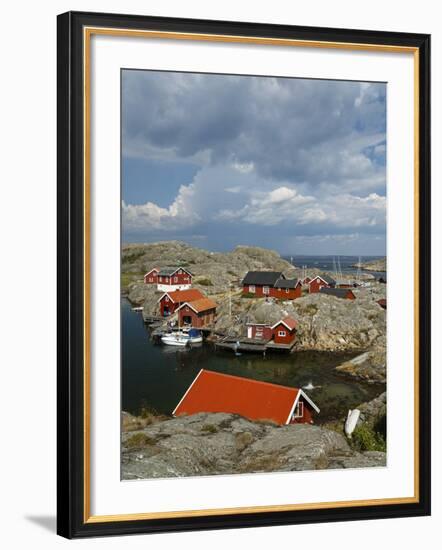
157	376
325	263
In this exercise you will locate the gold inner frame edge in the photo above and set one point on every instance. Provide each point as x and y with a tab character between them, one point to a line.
87	33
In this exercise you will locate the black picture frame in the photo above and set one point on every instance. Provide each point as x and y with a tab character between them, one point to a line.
72	521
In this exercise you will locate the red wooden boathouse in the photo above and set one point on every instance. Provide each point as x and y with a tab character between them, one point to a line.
284	331
198	314
213	392
170	301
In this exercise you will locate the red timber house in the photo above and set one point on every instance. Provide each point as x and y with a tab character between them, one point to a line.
345	293
171	301
197	314
213	392
284	331
169	278
272	284
321	281
151	277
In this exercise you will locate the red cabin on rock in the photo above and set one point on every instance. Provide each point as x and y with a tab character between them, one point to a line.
198	314
151	277
272	284
213	392
170	301
344	293
284	331
321	281
174	278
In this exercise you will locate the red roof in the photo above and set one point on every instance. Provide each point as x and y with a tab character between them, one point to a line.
203	304
180	296
289	322
216	392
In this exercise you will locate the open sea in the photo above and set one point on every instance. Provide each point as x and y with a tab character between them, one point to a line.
325	263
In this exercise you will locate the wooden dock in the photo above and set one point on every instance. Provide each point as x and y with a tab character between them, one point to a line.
251	345
150	319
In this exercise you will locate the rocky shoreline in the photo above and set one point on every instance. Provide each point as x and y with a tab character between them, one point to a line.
219	443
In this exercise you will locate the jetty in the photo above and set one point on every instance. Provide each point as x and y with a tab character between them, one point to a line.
252	345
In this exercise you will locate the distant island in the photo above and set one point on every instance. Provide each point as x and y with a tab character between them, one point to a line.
373	265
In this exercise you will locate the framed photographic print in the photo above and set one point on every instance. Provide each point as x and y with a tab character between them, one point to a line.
229	198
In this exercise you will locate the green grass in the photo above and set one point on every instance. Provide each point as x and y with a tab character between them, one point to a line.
204	281
129	277
365	438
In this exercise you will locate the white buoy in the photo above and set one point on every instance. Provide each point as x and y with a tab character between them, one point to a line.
352	420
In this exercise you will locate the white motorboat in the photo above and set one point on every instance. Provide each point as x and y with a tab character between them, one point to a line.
182	339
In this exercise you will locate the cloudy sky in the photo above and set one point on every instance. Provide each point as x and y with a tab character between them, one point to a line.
295	165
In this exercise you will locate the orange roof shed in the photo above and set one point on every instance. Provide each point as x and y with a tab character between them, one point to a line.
217	392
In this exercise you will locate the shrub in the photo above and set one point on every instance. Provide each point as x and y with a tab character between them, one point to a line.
365	438
130	257
210	428
139	440
248	295
243	440
205	281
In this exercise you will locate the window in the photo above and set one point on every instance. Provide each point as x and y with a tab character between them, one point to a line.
166	299
252	288
161	279
151	279
175	279
265	289
287	290
299	410
281	332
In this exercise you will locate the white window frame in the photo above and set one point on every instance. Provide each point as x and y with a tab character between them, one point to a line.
266	290
252	289
282	333
299	410
175	279
287	290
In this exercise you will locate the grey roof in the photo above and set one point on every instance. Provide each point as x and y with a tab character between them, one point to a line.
329	280
168	271
337	292
262	278
287	283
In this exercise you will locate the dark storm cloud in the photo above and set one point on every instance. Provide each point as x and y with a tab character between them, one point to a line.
304	130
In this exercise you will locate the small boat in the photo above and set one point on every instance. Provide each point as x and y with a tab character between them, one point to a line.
138	308
182	339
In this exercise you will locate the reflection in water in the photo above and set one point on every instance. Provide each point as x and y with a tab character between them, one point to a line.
158	375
